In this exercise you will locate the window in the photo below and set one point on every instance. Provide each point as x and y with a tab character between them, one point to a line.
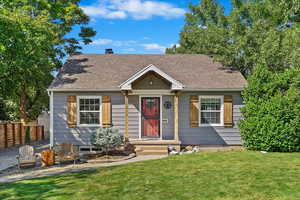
89	110
211	110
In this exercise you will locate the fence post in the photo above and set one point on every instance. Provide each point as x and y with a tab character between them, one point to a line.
43	133
13	134
5	135
22	136
17	133
2	136
36	133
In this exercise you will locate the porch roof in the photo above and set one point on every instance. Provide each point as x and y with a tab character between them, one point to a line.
109	71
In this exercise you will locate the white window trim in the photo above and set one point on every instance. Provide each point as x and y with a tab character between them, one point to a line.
78	111
221	111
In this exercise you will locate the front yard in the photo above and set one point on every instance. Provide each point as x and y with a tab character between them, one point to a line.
221	175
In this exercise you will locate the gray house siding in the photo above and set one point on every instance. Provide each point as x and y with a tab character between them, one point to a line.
197	135
81	135
168	118
209	135
133	116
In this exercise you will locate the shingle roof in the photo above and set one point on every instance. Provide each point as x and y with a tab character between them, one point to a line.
108	71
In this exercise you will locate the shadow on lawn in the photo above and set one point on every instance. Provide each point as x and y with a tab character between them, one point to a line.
42	188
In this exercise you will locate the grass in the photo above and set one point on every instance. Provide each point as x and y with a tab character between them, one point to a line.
242	175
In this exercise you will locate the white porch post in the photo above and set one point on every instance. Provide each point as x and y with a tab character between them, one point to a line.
176	127
126	135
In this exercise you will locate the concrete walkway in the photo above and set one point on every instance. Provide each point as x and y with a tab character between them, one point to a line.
8	156
28	174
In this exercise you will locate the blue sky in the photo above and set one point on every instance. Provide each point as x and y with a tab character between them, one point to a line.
136	26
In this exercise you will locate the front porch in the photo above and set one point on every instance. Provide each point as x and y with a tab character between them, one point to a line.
158	107
154	139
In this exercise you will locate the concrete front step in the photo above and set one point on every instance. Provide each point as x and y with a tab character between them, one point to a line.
152	147
152	152
154	142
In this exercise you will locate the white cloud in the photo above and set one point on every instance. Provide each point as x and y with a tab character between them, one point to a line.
154	46
94	11
129	45
117	15
137	9
103	41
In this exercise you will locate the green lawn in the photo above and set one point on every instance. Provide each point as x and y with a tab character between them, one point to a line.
221	175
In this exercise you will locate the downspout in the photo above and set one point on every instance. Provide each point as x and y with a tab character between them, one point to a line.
50	94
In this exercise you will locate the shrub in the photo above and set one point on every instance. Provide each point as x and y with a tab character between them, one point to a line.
272	111
27	135
106	139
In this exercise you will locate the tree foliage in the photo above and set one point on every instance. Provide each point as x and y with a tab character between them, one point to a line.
253	32
33	42
272	106
261	39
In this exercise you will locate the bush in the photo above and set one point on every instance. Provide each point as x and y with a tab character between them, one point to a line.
106	139
272	111
27	135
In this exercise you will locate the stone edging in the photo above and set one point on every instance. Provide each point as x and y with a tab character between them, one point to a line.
111	160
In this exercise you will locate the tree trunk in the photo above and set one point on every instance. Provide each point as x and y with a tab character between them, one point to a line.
23	105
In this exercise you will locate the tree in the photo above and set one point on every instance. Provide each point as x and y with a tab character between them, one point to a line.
32	43
272	120
7	110
261	39
107	139
254	32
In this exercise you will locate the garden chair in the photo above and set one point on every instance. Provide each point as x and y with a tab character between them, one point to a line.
26	156
67	152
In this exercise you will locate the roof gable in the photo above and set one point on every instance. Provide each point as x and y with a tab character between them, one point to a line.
127	85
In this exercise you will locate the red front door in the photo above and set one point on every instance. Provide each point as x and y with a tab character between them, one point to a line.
150	117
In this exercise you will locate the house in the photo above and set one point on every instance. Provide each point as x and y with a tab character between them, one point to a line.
154	100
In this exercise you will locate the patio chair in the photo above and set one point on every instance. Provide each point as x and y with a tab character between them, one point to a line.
67	152
26	156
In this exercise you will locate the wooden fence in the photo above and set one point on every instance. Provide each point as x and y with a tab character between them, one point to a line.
13	134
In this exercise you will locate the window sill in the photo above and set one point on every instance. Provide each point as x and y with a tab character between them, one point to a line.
211	125
89	125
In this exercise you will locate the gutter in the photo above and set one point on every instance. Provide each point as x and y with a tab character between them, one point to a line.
83	90
119	90
214	89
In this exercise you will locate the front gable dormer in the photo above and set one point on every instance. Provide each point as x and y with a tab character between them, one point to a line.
151	77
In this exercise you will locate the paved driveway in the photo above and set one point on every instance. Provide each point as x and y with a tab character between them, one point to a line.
8	156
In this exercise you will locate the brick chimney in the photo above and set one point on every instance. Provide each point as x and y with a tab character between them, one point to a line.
109	51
